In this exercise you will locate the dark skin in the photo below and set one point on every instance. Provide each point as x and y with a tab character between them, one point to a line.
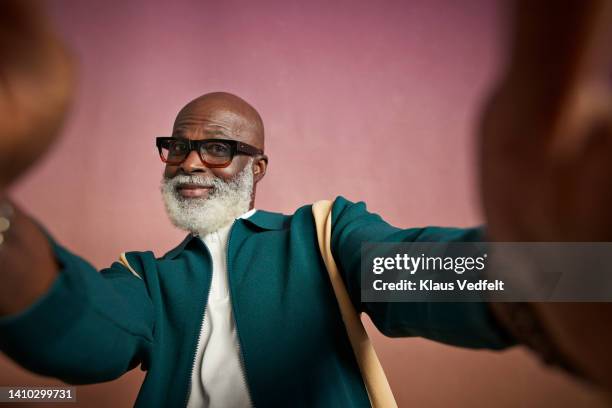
36	87
218	115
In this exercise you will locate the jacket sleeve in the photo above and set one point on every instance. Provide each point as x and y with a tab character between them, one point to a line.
466	324
89	327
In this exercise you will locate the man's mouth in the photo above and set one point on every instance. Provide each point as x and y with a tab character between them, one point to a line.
193	190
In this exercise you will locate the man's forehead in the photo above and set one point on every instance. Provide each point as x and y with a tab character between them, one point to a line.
221	115
211	122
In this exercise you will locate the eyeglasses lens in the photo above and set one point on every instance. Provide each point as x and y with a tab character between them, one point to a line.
216	152
174	151
211	152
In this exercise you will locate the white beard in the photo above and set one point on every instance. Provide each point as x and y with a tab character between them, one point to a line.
225	202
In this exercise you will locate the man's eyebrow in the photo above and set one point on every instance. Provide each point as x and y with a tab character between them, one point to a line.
216	132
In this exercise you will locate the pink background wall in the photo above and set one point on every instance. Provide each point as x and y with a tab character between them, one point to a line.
377	101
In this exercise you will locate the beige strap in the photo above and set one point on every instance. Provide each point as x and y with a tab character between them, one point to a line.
123	260
372	372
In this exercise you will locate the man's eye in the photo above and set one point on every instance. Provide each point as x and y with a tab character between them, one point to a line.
178	147
217	148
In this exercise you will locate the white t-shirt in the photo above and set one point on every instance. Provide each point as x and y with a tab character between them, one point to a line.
218	379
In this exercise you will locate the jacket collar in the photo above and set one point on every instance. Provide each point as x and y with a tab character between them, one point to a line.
262	220
267	220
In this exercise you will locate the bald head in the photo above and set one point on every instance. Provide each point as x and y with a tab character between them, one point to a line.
223	115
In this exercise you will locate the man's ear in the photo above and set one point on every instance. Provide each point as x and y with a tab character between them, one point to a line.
260	164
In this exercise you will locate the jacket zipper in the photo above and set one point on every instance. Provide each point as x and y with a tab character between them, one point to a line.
239	349
195	352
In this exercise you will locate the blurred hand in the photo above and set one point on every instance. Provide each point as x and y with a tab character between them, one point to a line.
36	81
546	156
544	179
546	148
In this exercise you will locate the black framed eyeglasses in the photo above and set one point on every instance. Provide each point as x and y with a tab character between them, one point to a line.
213	152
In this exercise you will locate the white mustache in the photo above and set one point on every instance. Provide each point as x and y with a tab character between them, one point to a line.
193	179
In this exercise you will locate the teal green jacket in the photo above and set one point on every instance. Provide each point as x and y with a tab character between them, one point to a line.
92	327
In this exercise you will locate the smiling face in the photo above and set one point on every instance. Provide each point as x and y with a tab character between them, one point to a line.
217	116
200	198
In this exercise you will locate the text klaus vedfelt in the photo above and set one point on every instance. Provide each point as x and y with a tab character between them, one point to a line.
414	264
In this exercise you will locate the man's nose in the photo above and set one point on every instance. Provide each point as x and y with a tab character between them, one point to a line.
193	163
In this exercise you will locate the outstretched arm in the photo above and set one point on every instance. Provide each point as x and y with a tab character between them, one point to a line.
87	327
58	315
458	323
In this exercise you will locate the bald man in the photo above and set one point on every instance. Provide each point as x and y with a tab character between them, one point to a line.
241	313
205	188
